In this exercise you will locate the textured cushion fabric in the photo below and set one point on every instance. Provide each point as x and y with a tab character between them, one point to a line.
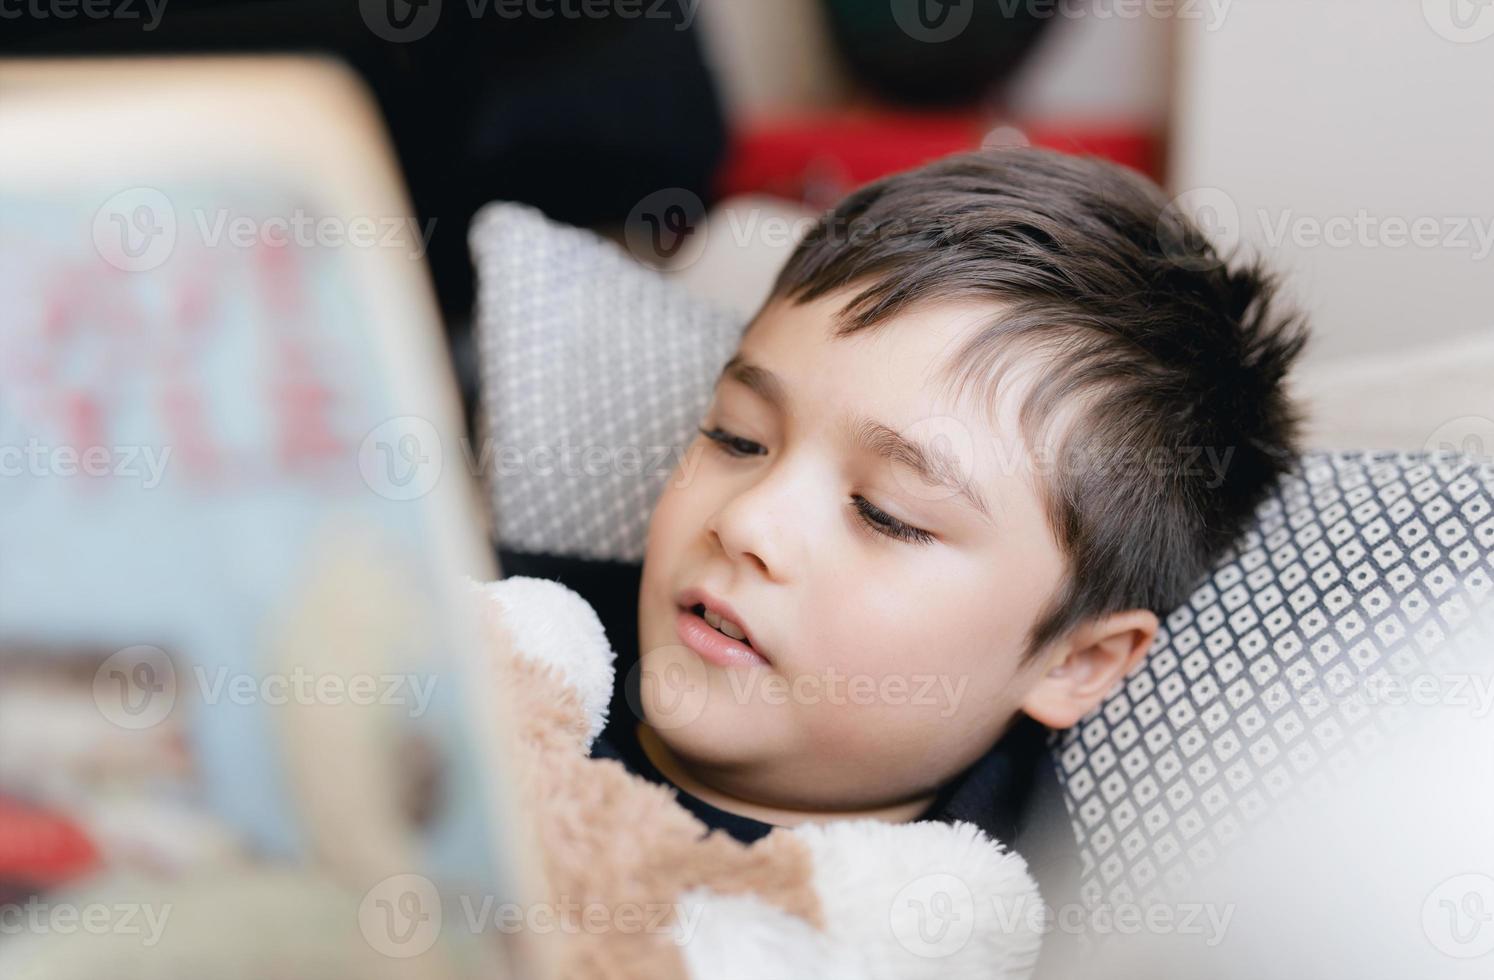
1356	576
1357	570
595	371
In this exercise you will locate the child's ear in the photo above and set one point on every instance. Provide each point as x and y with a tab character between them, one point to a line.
1087	664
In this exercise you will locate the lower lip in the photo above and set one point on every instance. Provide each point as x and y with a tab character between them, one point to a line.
712	644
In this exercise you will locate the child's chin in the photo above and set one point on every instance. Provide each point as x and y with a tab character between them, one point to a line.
718	735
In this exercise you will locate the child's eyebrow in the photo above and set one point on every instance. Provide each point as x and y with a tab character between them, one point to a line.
933	465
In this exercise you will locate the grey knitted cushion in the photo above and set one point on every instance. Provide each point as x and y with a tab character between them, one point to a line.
1357	568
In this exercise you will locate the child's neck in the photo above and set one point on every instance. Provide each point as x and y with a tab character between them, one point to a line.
679	774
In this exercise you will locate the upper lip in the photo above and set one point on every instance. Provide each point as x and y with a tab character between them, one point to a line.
694	595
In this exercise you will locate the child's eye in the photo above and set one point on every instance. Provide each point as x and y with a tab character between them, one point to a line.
868	513
733	445
884	523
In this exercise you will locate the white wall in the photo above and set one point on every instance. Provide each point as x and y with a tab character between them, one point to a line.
1354	112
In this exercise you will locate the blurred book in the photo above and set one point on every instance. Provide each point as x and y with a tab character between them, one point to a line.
236	665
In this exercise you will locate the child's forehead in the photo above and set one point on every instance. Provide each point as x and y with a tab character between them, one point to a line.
910	366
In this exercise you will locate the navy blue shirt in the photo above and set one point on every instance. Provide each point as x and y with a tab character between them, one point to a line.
991	793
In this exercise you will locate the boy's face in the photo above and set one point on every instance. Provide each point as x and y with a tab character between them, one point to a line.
888	665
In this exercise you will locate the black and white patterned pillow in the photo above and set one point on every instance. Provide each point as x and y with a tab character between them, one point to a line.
595	371
1295	654
1358	568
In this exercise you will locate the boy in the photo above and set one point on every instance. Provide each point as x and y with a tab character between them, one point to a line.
998	414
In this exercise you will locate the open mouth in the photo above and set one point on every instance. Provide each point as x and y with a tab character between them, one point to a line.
715	638
723	626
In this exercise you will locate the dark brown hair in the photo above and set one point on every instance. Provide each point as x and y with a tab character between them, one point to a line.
1157	348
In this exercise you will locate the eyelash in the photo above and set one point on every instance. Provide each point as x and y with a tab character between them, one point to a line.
870	514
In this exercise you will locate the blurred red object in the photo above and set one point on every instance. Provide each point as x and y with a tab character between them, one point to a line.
817	159
40	849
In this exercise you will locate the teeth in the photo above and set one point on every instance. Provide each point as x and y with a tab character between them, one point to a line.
724	625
